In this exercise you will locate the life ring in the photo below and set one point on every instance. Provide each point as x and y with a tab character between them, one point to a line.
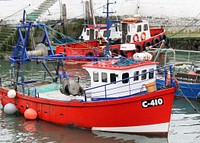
143	36
136	38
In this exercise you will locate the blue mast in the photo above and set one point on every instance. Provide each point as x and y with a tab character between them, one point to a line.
109	24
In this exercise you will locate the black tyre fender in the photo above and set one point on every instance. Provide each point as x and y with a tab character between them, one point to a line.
167	42
163	37
138	48
89	54
155	42
146	44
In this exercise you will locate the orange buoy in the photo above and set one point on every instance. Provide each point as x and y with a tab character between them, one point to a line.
30	114
168	80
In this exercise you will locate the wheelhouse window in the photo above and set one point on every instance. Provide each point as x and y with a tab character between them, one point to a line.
95	76
124	76
146	27
96	34
116	27
151	73
104	77
87	32
120	27
139	28
128	38
112	77
136	77
105	33
144	74
128	28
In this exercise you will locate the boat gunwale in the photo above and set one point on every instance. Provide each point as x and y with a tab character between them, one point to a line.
108	102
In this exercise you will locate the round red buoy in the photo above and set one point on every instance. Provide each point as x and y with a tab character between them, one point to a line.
30	114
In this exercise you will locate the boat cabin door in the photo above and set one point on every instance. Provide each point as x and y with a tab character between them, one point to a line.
91	34
124	32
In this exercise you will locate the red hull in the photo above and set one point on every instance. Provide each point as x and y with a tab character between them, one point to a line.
114	114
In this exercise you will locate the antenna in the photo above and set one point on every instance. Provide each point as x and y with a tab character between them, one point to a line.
138	7
92	13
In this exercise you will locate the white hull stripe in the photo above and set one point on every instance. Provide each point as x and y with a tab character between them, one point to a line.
163	127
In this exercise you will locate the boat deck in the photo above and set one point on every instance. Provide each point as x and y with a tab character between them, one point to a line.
57	95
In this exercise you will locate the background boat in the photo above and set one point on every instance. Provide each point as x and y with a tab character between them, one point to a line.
186	70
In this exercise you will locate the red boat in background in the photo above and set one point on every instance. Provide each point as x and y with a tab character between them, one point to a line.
136	36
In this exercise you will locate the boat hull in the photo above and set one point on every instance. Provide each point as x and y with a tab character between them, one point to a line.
142	114
188	90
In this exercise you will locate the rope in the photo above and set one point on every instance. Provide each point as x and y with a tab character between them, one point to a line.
86	45
180	91
65	36
61	34
15	12
195	20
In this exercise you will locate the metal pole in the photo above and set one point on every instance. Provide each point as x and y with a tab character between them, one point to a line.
108	27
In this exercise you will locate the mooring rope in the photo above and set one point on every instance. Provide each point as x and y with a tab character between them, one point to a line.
180	91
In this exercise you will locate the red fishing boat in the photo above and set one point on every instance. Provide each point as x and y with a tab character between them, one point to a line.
118	100
124	38
122	96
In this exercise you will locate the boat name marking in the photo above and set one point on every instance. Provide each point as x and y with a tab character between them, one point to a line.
152	102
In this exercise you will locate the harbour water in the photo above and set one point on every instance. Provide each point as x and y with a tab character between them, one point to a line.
184	126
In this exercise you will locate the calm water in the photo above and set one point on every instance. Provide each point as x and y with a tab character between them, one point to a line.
184	127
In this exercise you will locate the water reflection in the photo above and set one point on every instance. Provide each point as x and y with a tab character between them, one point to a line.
15	128
185	121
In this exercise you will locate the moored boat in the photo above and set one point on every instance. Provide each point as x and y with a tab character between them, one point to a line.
123	96
186	71
124	105
132	35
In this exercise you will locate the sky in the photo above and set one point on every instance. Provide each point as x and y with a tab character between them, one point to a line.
12	9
